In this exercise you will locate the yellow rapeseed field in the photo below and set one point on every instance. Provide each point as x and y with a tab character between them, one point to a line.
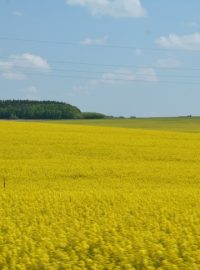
79	197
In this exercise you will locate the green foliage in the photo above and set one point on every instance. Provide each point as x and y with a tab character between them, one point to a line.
93	115
25	109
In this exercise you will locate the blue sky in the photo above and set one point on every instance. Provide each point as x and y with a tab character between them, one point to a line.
118	57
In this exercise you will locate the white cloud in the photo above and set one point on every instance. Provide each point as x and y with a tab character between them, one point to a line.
121	76
11	68
11	75
168	63
186	42
94	41
17	13
147	74
114	8
118	76
6	65
30	60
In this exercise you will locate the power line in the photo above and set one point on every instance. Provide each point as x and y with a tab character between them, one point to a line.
145	80
111	46
118	65
53	61
21	68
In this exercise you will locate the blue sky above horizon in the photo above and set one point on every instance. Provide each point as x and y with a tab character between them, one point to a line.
119	57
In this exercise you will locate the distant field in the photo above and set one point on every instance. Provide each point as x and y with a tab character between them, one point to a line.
88	197
181	124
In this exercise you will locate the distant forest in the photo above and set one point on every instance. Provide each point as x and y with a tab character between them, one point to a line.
26	109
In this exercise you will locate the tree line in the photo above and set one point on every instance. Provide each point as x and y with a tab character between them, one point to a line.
27	109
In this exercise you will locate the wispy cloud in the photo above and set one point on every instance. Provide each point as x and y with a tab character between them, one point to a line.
30	90
113	8
186	42
11	75
119	77
6	65
138	52
94	41
30	93
13	68
17	13
123	76
192	24
168	63
147	74
79	90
